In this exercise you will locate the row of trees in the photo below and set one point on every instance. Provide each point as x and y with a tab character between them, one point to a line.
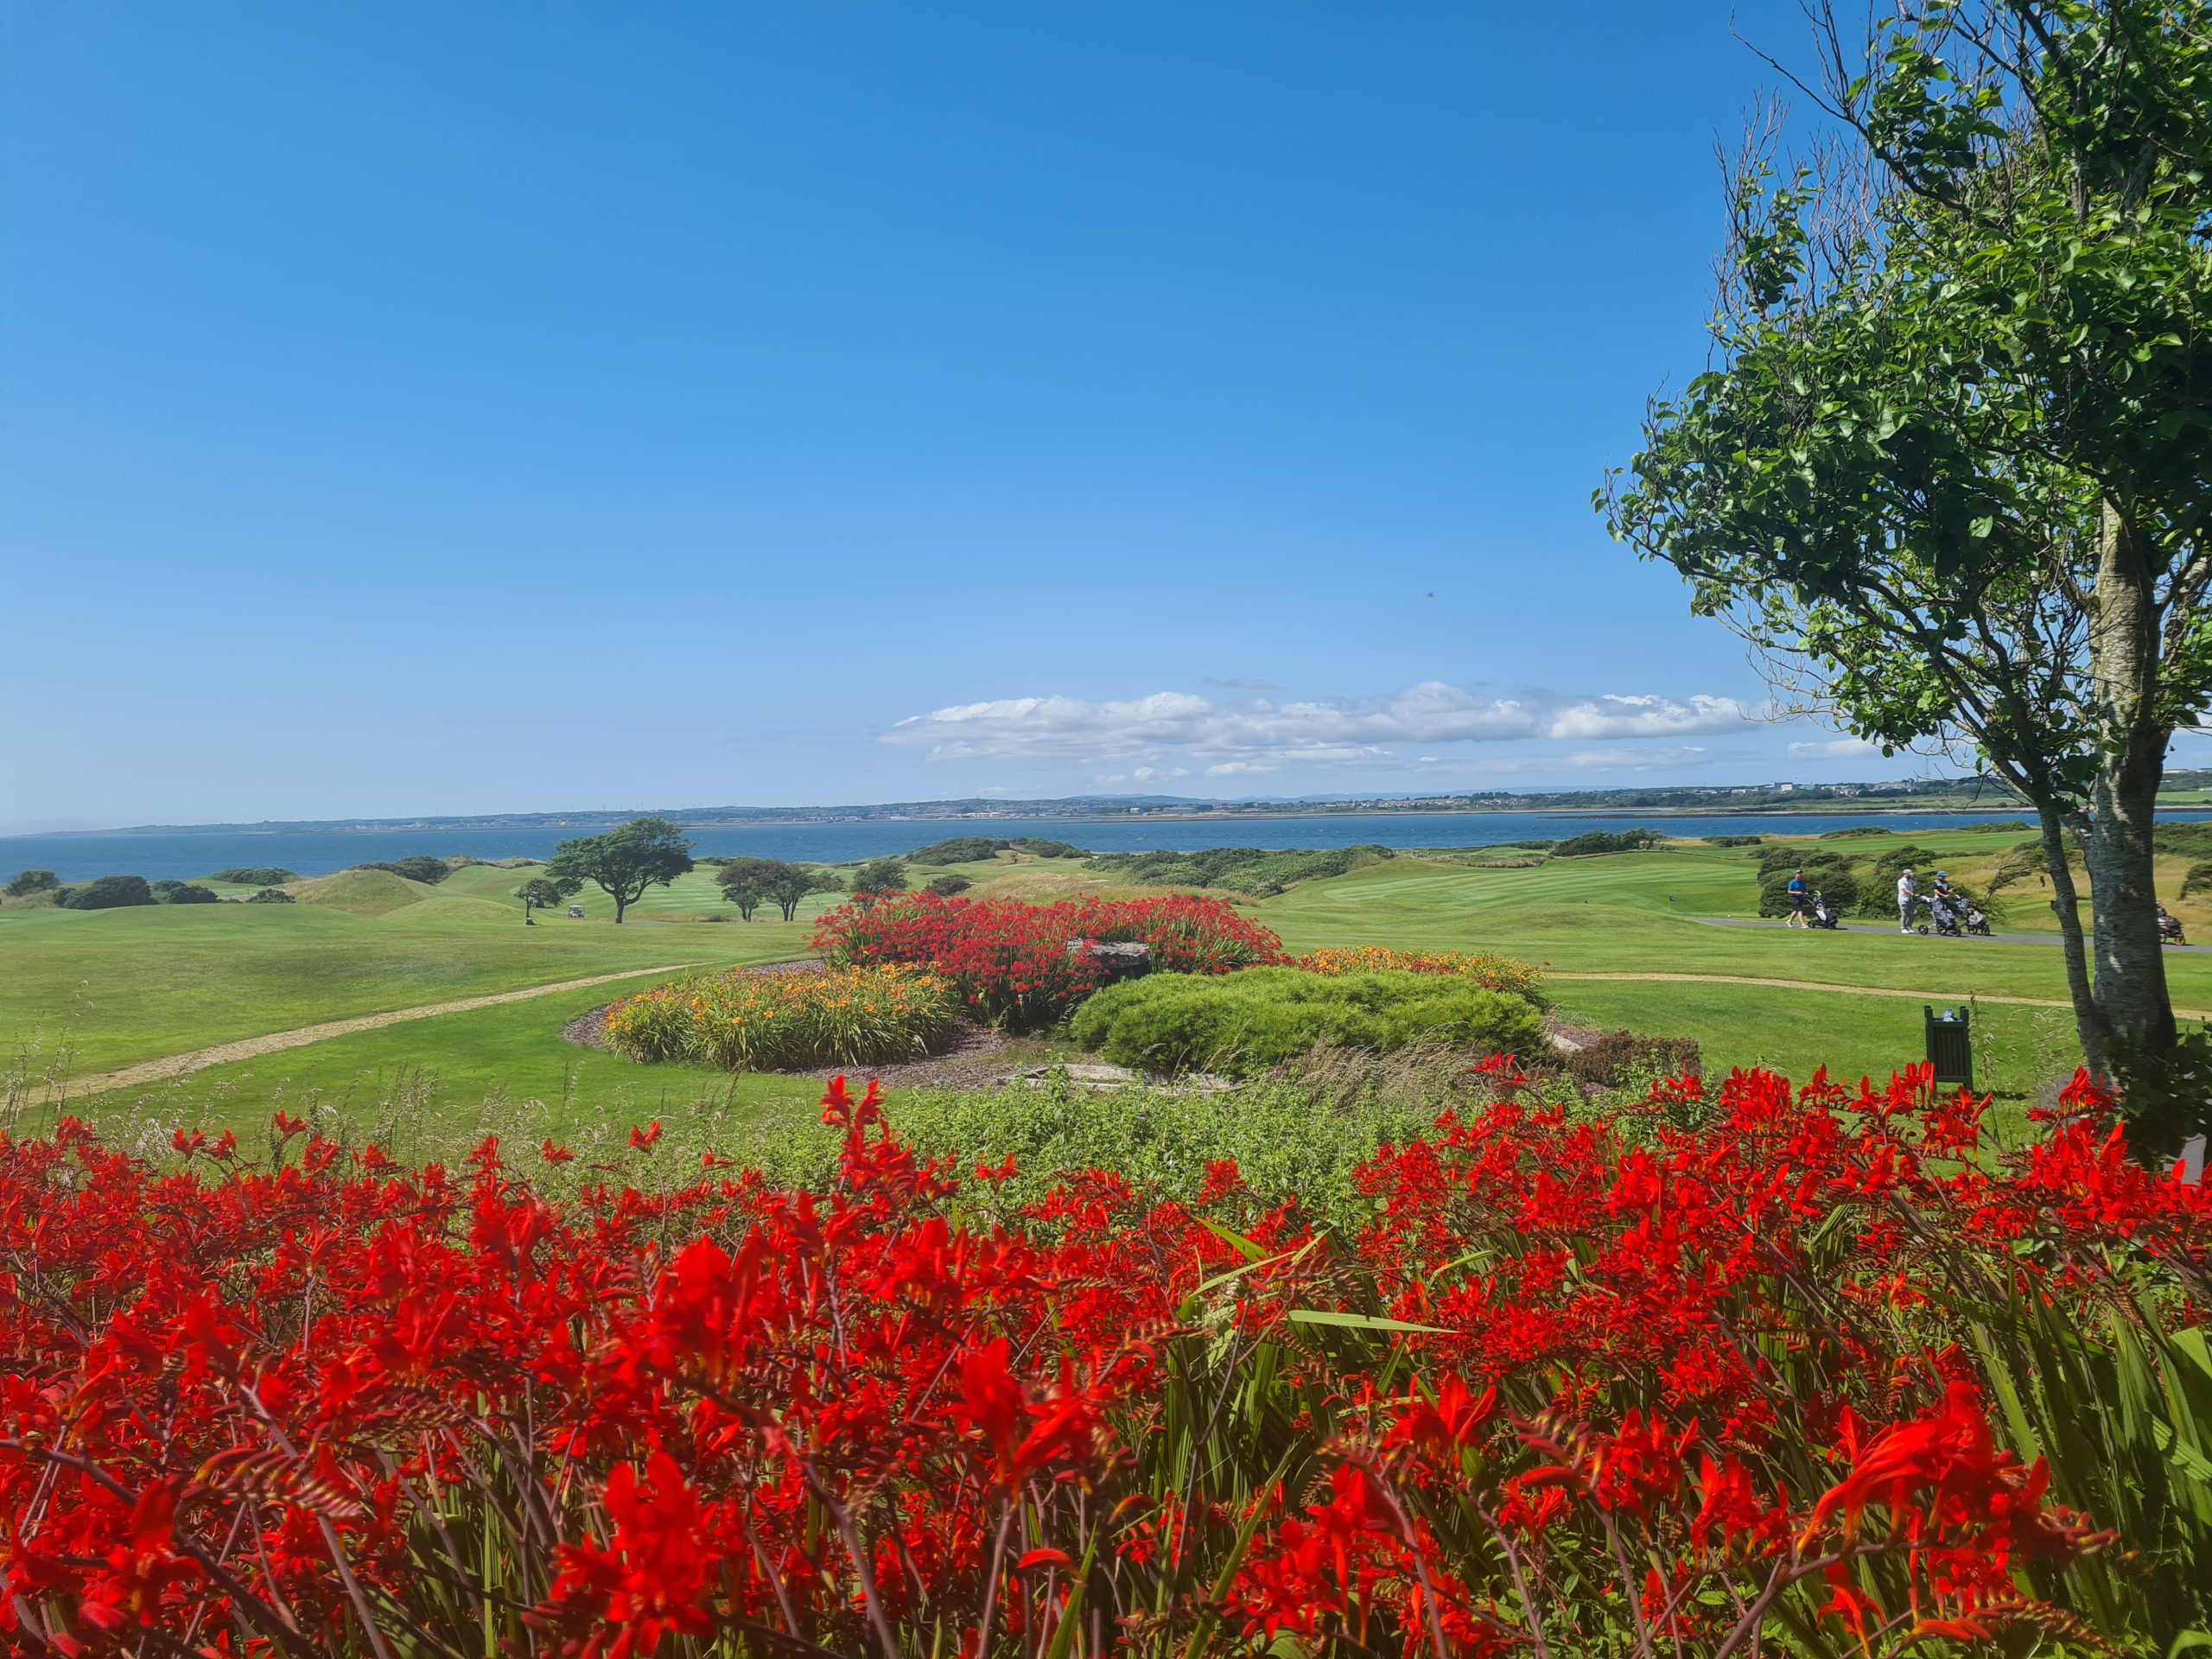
1951	474
651	852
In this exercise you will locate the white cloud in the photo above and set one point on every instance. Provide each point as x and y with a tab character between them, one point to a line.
1832	749
1341	732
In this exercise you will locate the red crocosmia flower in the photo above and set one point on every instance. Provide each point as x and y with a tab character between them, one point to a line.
645	1139
289	1126
556	1154
648	1582
1037	1558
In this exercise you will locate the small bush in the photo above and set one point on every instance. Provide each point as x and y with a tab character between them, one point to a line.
945	886
1242	1024
109	893
766	1022
31	881
2198	880
1595	841
254	876
1621	1058
419	866
271	896
1855	832
2189	838
186	892
1734	841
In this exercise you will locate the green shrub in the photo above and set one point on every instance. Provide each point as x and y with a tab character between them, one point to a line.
1834	882
2190	838
1242	1024
1855	831
1623	1059
109	893
947	885
252	875
419	866
271	896
975	850
186	892
1594	841
31	881
1734	841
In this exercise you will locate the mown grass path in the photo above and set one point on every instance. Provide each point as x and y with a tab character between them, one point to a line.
177	1065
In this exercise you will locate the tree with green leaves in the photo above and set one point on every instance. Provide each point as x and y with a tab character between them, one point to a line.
31	881
544	892
643	853
879	876
1951	471
747	882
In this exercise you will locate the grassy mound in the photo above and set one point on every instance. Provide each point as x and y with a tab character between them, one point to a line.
361	893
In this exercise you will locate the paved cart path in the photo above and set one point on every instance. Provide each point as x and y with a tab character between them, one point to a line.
2001	939
1946	998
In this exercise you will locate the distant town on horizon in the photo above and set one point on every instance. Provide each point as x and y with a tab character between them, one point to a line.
1960	794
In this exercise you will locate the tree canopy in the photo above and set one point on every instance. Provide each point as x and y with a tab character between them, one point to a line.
625	861
1950	473
747	882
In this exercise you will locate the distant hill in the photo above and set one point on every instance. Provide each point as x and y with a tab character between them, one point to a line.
1939	794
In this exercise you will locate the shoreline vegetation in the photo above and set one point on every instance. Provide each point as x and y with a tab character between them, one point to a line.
1603	803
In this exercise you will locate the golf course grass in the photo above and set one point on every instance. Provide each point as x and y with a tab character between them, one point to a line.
1625	939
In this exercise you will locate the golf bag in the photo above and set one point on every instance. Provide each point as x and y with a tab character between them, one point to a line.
1821	913
1943	913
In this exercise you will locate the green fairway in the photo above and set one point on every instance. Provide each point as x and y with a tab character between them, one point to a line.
125	986
118	986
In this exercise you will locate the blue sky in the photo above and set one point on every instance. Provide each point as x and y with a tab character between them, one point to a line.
409	408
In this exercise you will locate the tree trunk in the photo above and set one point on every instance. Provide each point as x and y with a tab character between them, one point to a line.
2088	1018
619	906
2131	967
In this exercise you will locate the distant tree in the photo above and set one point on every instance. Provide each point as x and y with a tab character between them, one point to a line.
644	853
186	892
744	882
271	896
109	893
543	892
794	882
946	886
749	882
880	876
255	875
31	881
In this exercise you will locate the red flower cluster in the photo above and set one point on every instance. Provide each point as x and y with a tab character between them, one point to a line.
1579	1388
1011	961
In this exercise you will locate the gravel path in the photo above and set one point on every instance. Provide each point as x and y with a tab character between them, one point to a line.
252	1048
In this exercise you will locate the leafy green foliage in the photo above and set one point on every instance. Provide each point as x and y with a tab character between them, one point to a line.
543	892
1593	842
2197	879
108	893
975	850
271	896
625	861
880	876
31	881
255	875
1854	831
186	892
1241	1024
749	882
1253	870
946	887
1734	841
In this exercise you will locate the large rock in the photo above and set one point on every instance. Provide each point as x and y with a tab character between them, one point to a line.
1119	961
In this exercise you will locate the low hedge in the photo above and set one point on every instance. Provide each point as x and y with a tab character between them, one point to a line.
1242	1024
109	893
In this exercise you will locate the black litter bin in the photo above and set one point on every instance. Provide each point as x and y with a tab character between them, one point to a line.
1950	1046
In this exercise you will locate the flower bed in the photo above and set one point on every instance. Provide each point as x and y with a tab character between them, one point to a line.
745	1022
1487	968
1721	1376
1010	961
